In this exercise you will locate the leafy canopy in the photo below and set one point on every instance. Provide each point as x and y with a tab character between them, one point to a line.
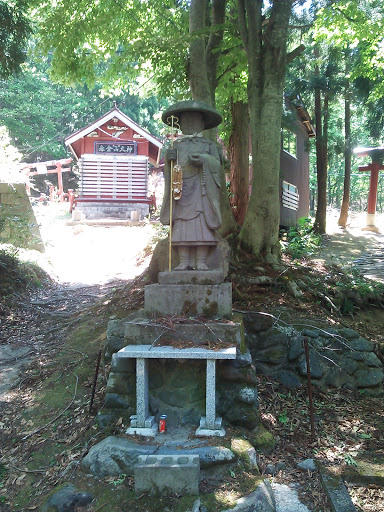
15	30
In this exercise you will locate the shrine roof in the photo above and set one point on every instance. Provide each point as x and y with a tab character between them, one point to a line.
113	113
369	151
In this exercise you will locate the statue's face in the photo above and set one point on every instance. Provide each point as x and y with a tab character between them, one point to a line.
191	122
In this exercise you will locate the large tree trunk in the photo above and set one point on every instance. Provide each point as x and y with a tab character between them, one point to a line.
347	160
239	157
206	32
267	59
321	118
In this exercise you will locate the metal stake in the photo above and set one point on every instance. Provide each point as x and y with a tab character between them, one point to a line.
95	381
311	412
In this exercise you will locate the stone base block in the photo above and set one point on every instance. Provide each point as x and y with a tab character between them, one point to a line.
167	474
149	422
191	277
189	299
143	431
205	431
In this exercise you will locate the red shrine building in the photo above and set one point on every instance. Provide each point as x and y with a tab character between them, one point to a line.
113	155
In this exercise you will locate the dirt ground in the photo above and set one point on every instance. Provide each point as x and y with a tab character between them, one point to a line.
345	246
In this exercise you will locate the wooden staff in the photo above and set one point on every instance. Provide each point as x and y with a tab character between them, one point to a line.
173	121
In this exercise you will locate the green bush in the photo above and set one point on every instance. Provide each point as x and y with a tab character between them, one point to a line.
300	241
16	276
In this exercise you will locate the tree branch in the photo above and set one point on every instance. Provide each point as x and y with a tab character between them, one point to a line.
294	53
243	24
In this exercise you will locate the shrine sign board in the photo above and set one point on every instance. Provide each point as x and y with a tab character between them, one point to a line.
126	148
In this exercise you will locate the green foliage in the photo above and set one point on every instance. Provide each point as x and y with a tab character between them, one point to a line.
39	114
356	282
14	32
300	241
17	276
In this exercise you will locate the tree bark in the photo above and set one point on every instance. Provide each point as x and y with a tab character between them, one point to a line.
347	159
267	57
206	32
239	157
321	119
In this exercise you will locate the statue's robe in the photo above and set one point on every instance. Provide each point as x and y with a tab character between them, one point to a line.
196	215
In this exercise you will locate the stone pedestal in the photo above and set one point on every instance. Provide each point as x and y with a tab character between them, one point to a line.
186	316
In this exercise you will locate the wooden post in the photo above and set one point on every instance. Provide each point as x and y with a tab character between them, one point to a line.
374	169
372	197
60	182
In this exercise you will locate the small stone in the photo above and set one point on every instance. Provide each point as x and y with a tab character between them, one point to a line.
242	360
281	466
248	395
348	333
288	379
275	355
371	359
296	348
294	289
287	499
196	505
245	452
262	439
261	280
261	500
361	344
348	365
232	374
116	401
273	339
114	456
68	500
311	333
270	469
316	366
258	322
336	378
307	465
369	378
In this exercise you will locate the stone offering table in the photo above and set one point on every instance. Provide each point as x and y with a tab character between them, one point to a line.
191	310
142	423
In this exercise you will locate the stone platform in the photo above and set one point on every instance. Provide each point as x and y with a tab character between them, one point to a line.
157	354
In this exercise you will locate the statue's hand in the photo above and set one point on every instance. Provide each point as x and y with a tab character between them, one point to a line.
172	155
196	159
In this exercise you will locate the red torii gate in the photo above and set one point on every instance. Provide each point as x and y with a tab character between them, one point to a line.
377	155
42	168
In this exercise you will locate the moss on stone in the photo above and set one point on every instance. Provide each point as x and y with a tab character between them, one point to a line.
211	310
262	439
246	453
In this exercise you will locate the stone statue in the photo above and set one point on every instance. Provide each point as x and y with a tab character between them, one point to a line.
196	214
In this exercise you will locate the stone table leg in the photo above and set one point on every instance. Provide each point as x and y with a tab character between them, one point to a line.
141	422
141	391
210	425
210	402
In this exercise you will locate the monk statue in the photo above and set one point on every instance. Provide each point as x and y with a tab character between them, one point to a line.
195	207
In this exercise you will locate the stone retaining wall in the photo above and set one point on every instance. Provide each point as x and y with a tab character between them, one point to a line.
18	225
339	357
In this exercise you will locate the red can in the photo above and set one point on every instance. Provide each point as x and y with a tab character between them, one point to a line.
163	424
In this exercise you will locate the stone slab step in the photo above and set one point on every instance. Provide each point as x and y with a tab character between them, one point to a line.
336	491
369	469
